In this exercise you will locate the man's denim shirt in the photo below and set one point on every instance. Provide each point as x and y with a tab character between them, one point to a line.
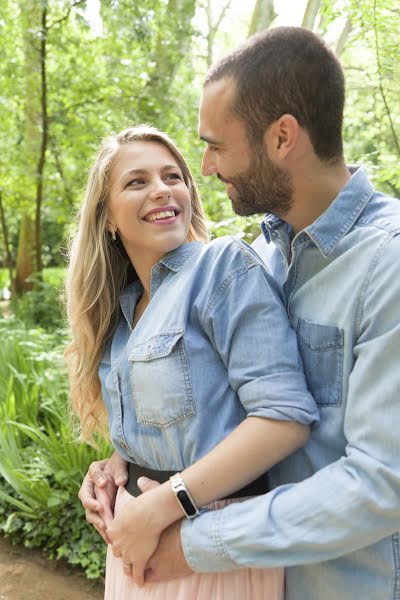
340	524
213	346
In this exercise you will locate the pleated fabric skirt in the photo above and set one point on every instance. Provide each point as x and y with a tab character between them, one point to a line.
241	584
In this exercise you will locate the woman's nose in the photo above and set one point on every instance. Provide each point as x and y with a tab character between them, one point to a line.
160	189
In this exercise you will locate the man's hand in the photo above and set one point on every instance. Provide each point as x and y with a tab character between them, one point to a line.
168	561
99	490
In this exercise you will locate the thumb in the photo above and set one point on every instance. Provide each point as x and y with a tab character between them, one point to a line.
121	474
146	484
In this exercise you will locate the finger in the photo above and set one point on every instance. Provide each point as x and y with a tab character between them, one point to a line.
127	568
94	519
104	536
91	504
96	472
86	493
146	484
138	573
103	497
121	475
117	467
116	551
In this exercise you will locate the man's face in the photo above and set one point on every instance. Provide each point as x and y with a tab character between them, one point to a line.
254	183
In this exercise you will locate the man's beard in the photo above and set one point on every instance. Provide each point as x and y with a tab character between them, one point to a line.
263	188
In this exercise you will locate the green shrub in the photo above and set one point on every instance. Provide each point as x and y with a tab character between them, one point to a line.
41	466
40	307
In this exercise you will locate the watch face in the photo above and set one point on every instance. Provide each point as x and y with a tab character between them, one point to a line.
187	504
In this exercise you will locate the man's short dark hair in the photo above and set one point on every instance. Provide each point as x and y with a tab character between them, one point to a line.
287	70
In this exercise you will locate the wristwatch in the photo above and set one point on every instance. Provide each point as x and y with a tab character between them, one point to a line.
185	500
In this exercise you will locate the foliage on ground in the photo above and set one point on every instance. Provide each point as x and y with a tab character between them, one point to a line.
41	466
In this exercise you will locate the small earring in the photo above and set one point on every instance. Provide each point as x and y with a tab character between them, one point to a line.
113	236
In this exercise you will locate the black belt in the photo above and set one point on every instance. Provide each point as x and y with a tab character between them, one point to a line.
255	488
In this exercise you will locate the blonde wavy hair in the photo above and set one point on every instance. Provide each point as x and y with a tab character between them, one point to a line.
97	273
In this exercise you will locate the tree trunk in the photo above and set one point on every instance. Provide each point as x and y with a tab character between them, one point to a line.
213	28
25	266
33	22
44	140
8	261
310	14
167	58
263	16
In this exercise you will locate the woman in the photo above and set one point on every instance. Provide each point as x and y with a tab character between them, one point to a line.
178	339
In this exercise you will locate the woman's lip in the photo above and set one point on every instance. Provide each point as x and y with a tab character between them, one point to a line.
161	209
168	221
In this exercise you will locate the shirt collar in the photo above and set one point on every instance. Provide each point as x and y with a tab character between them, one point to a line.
173	261
337	220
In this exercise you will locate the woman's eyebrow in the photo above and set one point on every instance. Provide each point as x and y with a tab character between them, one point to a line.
144	171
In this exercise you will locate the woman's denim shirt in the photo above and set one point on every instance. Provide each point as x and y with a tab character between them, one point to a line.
213	346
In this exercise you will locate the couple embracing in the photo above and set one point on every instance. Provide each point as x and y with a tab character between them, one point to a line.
252	394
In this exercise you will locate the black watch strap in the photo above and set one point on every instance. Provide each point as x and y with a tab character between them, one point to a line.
183	497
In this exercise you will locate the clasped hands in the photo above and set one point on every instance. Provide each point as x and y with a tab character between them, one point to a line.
98	493
135	531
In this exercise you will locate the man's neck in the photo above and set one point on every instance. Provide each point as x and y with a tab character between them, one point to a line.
315	188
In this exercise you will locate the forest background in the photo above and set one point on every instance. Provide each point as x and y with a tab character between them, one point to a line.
71	73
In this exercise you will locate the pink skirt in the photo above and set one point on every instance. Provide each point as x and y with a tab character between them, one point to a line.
241	584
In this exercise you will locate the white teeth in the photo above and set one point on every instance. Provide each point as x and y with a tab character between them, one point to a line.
160	215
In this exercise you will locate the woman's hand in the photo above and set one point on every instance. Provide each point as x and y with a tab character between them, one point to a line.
136	530
99	489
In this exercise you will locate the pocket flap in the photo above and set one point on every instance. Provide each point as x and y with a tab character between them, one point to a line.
156	347
319	337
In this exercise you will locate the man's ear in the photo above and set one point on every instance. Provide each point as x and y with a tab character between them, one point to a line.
281	137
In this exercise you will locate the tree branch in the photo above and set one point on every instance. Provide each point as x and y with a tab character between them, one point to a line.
65	17
385	102
222	15
343	37
68	192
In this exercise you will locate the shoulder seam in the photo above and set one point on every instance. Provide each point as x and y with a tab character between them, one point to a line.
223	287
244	250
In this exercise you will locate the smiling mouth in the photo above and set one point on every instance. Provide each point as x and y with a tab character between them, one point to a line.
160	216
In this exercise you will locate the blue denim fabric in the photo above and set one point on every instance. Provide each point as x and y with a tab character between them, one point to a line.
335	509
213	346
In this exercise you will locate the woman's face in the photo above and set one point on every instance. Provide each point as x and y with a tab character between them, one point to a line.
149	203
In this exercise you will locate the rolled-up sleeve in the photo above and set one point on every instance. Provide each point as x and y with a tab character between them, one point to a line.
249	327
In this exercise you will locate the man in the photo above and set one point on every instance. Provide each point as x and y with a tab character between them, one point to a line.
271	116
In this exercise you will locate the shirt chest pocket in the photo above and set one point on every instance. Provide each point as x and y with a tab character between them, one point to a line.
160	380
321	349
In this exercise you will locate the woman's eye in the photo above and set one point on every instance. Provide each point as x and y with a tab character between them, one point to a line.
173	176
135	182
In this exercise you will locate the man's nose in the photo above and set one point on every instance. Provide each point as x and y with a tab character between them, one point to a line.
208	166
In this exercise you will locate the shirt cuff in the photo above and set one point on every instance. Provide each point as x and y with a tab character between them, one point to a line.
202	545
280	396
